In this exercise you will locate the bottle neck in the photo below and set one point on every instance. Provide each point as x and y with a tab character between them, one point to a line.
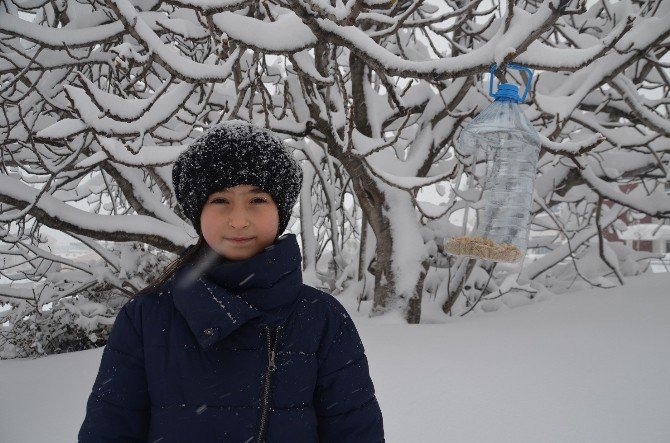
506	99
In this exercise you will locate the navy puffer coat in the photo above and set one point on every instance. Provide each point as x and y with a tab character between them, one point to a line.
234	352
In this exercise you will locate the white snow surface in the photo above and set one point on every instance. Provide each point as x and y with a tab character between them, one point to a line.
591	366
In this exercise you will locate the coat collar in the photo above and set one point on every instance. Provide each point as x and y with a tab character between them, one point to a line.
217	296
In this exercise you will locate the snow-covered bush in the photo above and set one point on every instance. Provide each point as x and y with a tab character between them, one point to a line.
74	309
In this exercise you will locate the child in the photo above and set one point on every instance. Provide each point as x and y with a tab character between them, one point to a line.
229	345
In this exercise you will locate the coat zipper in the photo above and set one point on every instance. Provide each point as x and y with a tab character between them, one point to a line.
272	352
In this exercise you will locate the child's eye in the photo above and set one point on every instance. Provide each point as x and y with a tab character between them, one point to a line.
259	200
218	200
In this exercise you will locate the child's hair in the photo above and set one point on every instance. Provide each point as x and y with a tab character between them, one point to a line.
185	257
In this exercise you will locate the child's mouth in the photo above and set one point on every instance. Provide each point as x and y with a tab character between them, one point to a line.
240	241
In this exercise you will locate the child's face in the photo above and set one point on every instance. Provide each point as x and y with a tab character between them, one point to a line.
240	212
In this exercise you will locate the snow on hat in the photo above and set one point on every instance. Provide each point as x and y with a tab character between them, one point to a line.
235	153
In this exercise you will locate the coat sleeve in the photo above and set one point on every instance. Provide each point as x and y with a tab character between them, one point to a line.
118	407
345	402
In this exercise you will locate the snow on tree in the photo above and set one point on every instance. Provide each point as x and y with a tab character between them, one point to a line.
99	98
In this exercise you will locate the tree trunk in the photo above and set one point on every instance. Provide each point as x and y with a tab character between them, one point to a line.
374	205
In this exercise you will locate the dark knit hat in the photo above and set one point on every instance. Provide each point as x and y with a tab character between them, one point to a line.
236	153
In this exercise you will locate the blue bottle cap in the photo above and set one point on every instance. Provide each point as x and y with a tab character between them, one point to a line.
507	91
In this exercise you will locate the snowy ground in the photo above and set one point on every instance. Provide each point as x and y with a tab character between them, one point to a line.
592	366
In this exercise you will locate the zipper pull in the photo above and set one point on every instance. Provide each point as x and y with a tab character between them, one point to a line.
272	360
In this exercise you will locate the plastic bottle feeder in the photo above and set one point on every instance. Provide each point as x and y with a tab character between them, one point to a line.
500	148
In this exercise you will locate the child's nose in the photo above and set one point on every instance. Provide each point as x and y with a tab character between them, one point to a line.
238	217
